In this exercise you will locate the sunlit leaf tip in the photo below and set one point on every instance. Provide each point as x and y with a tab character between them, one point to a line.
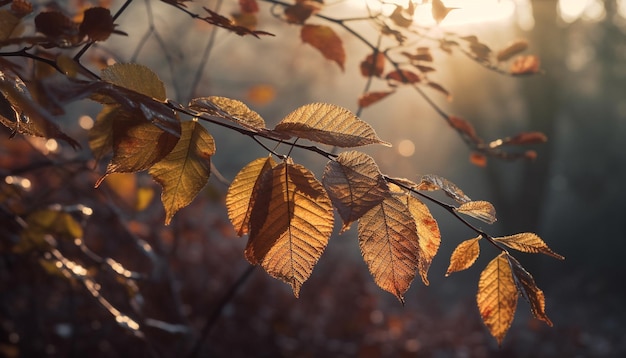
528	242
481	210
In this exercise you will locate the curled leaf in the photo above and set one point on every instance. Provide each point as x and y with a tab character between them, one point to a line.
481	210
434	182
528	288
230	109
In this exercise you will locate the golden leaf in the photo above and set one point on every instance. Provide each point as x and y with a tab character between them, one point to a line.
328	124
481	210
354	184
435	182
528	242
186	169
239	198
528	288
429	237
511	50
138	78
101	134
39	224
324	39
464	256
497	296
230	109
389	245
290	224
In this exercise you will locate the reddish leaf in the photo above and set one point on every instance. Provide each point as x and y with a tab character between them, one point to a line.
403	76
526	138
218	20
301	11
97	24
464	127
372	97
326	41
478	159
373	65
525	65
248	6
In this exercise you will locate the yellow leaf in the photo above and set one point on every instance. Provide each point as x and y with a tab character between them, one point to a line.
435	182
389	245
528	242
464	256
290	224
230	109
429	237
186	169
354	184
240	196
497	296
328	124
325	40
527	286
138	78
481	210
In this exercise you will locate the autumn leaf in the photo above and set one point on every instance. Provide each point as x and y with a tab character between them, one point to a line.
389	245
98	24
528	242
440	11
422	54
239	198
432	182
370	98
497	296
290	224
57	27
230	109
481	210
299	12
403	76
8	23
429	237
373	65
328	124
41	223
478	159
101	134
439	88
248	6
354	184
528	288
525	65
401	17
464	127
464	255
520	139
185	170
138	78
324	39
511	50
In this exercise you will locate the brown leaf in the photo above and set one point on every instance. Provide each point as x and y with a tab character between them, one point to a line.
422	54
401	17
464	256
389	245
57	27
525	65
525	138
464	127
429	237
370	98
373	65
230	109
328	124
242	191
21	8
403	76
481	210
528	288
434	182
497	296
511	50
440	11
528	242
97	24
218	20
101	134
354	184
249	6
324	39
136	77
478	159
290	224
299	12
8	23
441	89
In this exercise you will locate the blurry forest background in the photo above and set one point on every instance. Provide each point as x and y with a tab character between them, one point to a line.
572	196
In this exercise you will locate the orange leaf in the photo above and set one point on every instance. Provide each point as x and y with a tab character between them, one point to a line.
526	138
326	41
261	94
372	97
525	65
248	6
403	76
464	127
299	12
478	159
373	65
464	256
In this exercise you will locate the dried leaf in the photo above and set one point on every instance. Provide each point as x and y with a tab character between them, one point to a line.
101	134
97	24
464	256
354	184
497	296
481	210
464	127
328	124
249	6
324	39
55	25
401	17
528	242
218	20
429	237
528	288
245	19
434	182
138	78
186	169
290	224
521	139
440	11
8	23
373	65
389	245
525	65
441	89
511	50
241	193
230	109
478	159
370	98
422	54
299	12
403	76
